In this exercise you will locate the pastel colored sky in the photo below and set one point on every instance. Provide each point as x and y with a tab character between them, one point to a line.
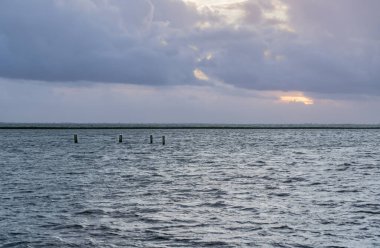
193	61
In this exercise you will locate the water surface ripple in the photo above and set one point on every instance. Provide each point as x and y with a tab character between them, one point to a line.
204	188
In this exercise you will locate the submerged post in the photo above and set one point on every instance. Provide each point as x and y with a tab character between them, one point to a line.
120	138
75	138
151	139
163	140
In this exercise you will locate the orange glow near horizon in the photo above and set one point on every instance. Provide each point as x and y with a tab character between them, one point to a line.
297	99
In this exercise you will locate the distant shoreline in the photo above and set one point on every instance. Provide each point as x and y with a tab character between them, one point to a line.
179	126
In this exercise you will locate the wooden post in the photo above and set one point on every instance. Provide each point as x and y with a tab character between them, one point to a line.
151	139
75	138
120	138
163	140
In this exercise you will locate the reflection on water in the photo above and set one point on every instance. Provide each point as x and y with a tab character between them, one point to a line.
221	188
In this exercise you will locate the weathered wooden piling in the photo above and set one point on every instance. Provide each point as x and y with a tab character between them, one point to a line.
163	140
151	139
75	138
120	138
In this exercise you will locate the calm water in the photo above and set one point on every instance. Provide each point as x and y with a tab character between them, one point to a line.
205	188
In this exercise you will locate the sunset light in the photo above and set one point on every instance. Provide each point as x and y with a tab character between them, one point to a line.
297	99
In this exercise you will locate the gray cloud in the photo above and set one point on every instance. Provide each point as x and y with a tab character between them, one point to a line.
322	55
110	41
334	49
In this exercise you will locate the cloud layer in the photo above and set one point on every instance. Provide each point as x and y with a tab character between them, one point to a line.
312	46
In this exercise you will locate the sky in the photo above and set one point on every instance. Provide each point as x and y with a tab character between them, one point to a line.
190	61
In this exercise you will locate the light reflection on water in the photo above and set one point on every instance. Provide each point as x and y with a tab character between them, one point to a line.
221	188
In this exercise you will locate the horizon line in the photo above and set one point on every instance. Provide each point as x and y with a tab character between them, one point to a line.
68	125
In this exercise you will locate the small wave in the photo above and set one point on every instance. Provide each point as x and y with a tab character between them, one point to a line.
271	187
347	191
302	246
75	173
148	210
346	164
268	178
251	228
157	236
283	194
107	229
372	206
276	244
91	212
211	244
16	244
148	220
367	212
314	184
291	163
186	221
78	156
282	227
248	209
217	204
160	238
294	179
299	153
70	226
15	150
17	233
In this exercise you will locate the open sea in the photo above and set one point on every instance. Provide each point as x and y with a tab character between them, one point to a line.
203	188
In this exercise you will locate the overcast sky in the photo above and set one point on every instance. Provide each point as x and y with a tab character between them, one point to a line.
193	61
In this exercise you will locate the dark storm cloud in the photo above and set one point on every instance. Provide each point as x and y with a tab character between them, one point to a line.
109	41
321	46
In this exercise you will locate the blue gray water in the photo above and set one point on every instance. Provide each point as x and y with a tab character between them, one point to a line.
204	188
